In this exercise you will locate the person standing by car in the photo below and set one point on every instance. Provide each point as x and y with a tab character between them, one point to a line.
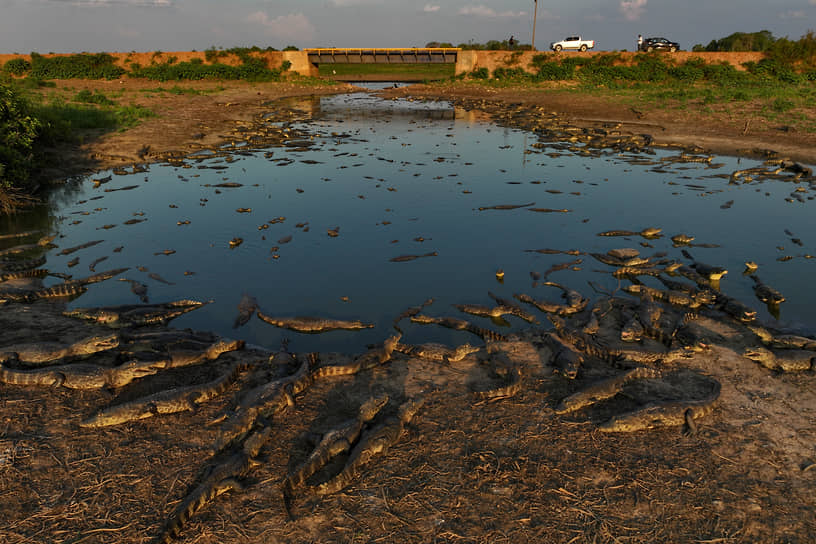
640	42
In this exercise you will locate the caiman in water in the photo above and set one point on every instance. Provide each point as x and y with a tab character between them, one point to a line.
136	315
461	325
313	324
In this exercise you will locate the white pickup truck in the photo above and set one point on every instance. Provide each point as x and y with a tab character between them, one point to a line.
573	42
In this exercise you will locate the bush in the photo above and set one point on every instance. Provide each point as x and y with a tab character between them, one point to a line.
17	66
480	73
89	97
251	70
18	133
81	66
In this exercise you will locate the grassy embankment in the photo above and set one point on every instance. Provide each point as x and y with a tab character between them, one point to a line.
386	72
781	88
36	115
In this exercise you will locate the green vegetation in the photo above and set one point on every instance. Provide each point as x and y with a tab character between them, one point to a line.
490	45
81	66
740	41
251	70
19	129
420	70
17	67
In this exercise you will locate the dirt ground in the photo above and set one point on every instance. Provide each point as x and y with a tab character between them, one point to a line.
506	470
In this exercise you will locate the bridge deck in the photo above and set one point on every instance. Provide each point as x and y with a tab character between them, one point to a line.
395	55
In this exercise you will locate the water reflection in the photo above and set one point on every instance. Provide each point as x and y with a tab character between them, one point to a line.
356	182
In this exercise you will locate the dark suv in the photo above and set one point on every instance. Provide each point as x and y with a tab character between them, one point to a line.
659	44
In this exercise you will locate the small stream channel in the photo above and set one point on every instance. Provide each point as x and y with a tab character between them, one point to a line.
398	179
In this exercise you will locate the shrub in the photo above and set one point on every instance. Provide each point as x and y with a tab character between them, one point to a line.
89	97
18	133
81	66
480	73
17	66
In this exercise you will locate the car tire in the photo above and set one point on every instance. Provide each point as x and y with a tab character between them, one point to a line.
672	49
558	48
649	49
583	47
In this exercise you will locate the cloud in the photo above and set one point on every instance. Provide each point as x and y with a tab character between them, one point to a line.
347	3
798	14
293	26
108	3
632	9
433	9
484	11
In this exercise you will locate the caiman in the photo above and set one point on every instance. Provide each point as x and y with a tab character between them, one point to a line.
766	293
135	315
785	341
632	330
263	401
785	360
675	298
735	309
603	389
21	274
172	401
48	352
460	325
713	273
80	375
246	307
513	376
410	312
513	308
221	478
186	357
42	242
19	266
567	358
648	233
332	444
437	352
664	414
374	441
313	324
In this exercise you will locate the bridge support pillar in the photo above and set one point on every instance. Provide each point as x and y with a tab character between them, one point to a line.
465	62
300	63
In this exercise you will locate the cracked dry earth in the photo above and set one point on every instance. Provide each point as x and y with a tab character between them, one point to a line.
505	470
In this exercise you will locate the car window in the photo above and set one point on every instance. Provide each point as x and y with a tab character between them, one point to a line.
572	39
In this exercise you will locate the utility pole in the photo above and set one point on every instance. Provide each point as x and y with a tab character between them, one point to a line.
535	15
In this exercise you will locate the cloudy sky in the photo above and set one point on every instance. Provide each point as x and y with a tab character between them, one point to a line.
63	26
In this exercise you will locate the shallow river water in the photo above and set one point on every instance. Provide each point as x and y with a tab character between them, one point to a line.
400	178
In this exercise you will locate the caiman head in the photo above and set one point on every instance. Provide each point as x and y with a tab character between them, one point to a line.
372	407
102	343
651	232
464	350
758	353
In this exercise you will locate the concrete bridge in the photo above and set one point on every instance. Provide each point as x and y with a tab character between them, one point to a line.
411	55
